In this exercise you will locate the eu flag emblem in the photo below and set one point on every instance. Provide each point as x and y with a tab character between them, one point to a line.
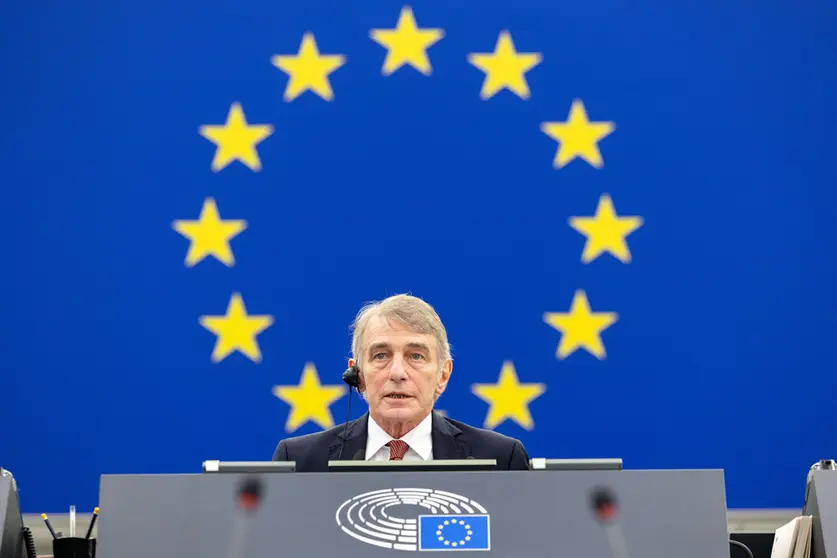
453	532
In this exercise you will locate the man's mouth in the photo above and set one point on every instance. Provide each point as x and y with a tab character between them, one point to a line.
397	396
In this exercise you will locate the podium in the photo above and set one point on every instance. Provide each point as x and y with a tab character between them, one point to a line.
509	514
11	521
821	503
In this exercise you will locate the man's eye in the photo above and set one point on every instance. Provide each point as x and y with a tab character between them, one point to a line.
378	355
417	356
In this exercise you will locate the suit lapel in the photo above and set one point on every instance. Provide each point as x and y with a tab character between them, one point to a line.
446	443
355	440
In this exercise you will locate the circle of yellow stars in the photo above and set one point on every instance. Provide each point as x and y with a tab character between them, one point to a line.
407	44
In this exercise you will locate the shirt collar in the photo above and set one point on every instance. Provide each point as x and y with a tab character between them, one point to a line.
419	438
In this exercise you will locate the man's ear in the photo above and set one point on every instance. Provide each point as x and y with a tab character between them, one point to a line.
361	385
444	377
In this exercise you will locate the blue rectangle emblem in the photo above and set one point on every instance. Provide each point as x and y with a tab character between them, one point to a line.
454	532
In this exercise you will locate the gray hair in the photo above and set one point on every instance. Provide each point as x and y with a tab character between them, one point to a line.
411	311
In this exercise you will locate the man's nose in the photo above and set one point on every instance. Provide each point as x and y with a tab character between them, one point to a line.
397	371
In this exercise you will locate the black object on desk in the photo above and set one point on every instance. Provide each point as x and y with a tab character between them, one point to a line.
73	547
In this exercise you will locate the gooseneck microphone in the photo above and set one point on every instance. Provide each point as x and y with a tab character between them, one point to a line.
604	504
606	511
250	494
248	499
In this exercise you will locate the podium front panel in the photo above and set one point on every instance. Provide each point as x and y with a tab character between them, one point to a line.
11	522
822	505
513	514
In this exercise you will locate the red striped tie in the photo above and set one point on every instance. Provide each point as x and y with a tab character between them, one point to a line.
397	449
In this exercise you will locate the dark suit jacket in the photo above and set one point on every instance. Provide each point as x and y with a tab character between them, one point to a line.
451	440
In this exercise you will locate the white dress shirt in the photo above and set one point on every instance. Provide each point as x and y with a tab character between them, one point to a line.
419	440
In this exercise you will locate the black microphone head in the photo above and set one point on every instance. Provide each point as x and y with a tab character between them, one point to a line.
605	506
249	494
359	455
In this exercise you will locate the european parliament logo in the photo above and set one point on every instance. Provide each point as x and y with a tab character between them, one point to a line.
416	519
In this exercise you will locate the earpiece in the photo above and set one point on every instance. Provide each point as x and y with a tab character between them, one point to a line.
352	377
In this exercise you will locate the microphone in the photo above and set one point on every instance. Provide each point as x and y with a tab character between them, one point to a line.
606	511
604	504
248	498
249	494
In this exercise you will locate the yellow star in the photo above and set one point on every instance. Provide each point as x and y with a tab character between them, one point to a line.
236	140
309	400
580	328
406	44
578	137
505	68
308	70
508	398
210	235
236	330
605	232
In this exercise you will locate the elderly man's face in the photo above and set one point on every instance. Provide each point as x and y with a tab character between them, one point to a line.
401	374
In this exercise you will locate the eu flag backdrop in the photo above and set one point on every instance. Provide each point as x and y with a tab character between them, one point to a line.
624	213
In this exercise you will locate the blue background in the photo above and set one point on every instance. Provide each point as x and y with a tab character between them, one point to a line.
724	140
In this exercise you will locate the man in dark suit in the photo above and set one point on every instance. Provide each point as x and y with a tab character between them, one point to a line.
401	364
